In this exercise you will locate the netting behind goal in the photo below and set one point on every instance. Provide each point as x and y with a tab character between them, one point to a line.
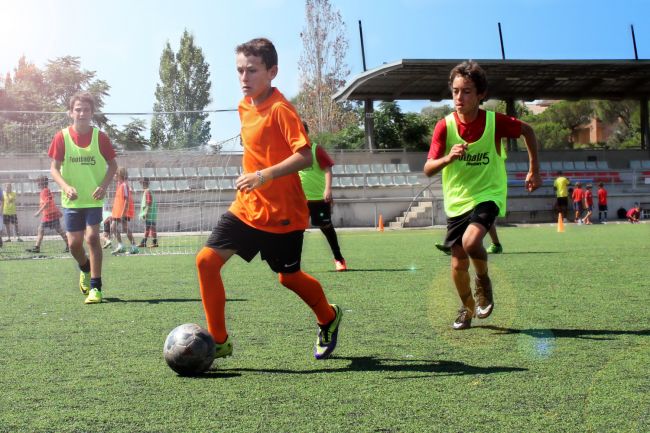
192	187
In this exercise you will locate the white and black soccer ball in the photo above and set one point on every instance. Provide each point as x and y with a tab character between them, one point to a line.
189	349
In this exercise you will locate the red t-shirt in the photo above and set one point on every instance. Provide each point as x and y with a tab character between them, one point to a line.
324	159
633	213
589	198
57	147
50	211
602	196
578	194
505	127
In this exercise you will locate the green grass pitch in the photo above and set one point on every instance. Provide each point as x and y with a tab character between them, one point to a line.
566	349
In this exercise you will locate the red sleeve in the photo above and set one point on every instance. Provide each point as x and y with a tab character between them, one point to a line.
57	148
506	127
323	158
438	141
148	199
105	147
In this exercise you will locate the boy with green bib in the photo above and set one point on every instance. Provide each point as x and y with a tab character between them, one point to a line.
466	147
83	164
316	181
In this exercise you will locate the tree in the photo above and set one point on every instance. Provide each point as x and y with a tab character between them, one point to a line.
130	137
181	96
34	89
322	68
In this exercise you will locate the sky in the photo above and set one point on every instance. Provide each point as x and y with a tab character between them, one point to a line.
122	40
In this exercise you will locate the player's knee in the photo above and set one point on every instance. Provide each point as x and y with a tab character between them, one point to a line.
208	259
288	279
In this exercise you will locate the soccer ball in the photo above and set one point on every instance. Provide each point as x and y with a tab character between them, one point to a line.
189	349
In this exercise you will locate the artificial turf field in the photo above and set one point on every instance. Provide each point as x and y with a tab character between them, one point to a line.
566	349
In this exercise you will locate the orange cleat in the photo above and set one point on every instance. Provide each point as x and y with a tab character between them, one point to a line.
340	265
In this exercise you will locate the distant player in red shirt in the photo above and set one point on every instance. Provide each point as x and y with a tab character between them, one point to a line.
50	215
588	201
602	203
634	214
269	214
578	197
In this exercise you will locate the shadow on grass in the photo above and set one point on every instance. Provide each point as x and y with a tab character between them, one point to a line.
370	270
381	365
162	301
589	334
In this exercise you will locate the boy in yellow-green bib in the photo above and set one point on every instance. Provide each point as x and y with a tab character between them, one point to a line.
83	164
466	147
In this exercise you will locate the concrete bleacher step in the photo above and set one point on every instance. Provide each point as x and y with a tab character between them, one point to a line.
419	215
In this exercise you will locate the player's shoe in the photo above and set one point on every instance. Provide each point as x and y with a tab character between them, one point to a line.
224	349
340	265
327	335
94	297
66	249
484	298
33	250
18	239
495	249
142	245
134	250
107	245
464	319
119	250
84	282
444	248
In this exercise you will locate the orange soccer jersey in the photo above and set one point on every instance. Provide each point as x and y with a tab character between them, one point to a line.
123	199
271	132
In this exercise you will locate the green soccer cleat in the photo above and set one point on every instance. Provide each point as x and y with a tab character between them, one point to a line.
94	297
495	249
327	335
84	282
134	250
224	349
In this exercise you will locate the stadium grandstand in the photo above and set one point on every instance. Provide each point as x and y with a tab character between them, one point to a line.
193	187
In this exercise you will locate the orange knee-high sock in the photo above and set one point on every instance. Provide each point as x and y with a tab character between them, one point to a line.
311	292
213	295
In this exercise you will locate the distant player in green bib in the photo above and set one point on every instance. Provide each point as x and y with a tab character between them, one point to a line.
466	147
317	184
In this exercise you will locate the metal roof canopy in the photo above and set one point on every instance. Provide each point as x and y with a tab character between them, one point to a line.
413	79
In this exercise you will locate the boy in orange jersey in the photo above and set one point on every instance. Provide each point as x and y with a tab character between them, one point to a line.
588	204
123	212
269	214
83	165
50	215
578	197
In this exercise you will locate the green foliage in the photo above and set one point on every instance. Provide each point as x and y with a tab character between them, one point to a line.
184	86
552	135
565	350
131	136
49	89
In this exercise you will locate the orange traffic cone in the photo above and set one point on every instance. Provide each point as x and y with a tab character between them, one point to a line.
380	224
560	223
